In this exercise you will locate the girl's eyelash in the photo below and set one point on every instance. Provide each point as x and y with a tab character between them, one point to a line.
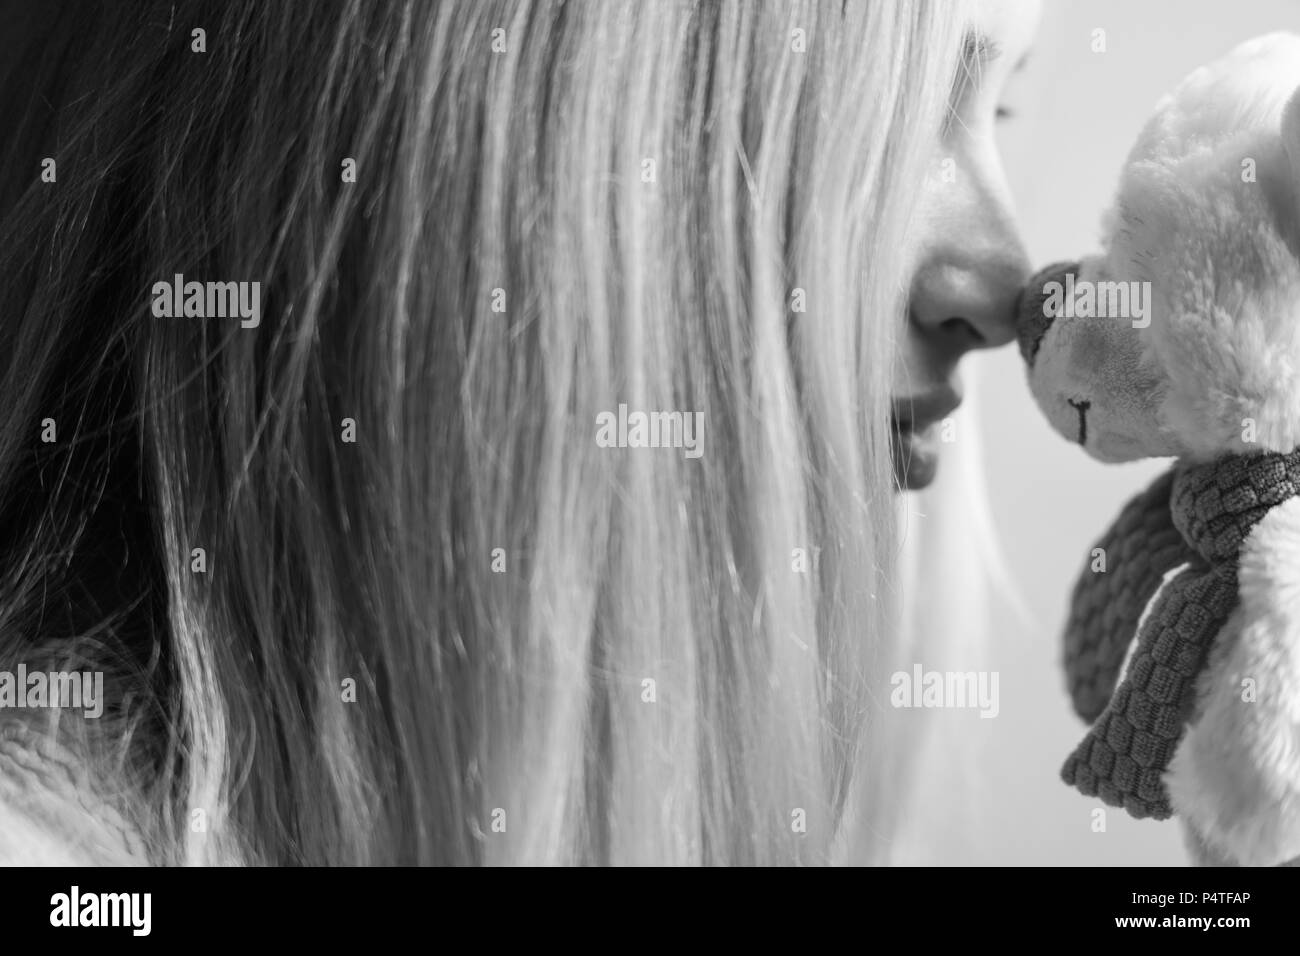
979	48
1004	113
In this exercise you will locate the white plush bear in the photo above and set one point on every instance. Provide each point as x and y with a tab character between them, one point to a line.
1182	339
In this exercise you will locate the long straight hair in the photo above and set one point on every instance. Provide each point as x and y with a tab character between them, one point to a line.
365	585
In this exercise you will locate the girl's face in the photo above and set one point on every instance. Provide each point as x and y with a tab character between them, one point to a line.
968	261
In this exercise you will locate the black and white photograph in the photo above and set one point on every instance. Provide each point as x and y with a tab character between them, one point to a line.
650	434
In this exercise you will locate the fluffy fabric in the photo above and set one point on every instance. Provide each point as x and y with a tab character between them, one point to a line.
1207	213
1214	508
1206	221
1204	240
1236	775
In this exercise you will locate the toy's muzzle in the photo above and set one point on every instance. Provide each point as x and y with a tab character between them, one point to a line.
1032	323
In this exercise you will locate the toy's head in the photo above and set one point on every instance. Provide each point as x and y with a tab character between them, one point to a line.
1183	337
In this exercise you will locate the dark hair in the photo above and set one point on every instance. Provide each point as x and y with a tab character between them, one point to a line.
362	583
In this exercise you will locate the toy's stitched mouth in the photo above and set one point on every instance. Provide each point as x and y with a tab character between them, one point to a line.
1081	406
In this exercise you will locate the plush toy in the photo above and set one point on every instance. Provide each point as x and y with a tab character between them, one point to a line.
1182	340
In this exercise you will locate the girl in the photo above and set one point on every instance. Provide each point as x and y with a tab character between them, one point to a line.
363	585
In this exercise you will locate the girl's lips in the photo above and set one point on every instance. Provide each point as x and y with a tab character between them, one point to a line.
921	411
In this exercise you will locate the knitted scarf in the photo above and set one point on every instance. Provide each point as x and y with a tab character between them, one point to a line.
1194	514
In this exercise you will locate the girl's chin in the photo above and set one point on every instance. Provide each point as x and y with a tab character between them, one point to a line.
916	457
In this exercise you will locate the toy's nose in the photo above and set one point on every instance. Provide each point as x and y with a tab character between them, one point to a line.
1033	320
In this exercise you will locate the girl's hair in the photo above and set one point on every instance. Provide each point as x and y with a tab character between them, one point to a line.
365	587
